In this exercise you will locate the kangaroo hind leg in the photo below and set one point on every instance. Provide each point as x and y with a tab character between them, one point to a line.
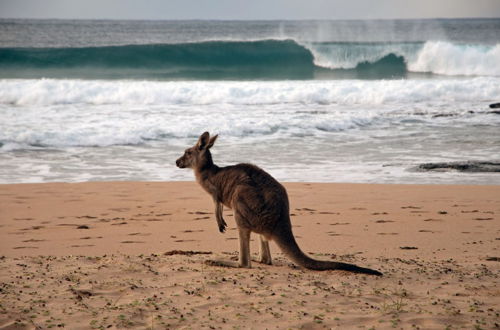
265	252
244	258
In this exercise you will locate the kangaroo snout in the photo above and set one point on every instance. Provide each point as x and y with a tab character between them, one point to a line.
180	163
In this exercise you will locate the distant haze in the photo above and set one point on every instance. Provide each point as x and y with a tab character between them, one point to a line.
248	10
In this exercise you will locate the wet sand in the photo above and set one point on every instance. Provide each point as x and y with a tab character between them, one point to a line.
116	254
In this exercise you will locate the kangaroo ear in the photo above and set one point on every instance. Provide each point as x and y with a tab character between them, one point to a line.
203	140
212	141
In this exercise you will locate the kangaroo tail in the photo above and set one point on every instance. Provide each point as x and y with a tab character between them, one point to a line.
286	241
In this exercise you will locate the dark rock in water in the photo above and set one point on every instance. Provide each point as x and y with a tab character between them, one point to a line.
444	115
469	167
496	112
495	105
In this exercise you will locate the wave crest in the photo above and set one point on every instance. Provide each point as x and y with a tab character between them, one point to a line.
450	59
47	92
244	60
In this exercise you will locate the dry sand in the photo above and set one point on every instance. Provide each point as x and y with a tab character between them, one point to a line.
99	255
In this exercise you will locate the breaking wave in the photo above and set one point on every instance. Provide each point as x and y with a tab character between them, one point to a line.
46	92
262	59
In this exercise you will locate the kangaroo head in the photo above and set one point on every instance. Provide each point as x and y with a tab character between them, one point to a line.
198	155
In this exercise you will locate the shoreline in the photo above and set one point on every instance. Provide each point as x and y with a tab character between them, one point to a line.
118	254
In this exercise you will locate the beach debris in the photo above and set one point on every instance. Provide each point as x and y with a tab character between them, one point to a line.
185	253
81	293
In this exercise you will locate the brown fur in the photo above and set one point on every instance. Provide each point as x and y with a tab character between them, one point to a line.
260	205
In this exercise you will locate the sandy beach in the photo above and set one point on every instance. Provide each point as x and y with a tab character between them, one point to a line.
131	255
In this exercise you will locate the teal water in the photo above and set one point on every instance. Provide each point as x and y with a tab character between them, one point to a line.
265	59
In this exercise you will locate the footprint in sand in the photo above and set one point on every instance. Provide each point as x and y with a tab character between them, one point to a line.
339	223
483	219
192	231
387	233
132	242
119	209
186	240
25	247
199	212
306	209
32	240
33	228
139	234
383	221
433	220
411	207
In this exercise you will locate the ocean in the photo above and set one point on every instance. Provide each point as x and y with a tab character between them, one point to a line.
320	101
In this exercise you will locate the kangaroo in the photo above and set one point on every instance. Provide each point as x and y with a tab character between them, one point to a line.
260	205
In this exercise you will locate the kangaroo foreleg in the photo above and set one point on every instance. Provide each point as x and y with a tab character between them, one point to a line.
218	216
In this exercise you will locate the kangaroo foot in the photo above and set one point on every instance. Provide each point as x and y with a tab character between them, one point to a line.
263	261
224	263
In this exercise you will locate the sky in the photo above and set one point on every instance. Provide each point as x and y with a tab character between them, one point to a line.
248	9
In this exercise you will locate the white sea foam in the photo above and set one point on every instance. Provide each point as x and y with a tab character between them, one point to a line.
47	92
348	56
451	59
438	57
71	130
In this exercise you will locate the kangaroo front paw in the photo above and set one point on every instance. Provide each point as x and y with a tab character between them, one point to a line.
222	226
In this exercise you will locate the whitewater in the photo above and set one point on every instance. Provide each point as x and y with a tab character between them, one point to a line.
307	101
